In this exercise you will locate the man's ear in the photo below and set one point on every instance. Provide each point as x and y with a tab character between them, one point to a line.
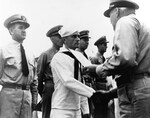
11	30
118	12
64	40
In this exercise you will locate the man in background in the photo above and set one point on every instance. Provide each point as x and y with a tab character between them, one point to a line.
84	42
45	78
101	83
83	45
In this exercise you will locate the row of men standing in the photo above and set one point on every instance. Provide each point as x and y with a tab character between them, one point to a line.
129	64
18	97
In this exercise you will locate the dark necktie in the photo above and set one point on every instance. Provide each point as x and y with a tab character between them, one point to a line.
104	59
24	64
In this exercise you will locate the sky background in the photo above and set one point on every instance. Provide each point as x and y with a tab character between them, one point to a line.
45	14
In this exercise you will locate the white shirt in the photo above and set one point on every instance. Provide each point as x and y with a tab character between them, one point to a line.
68	90
10	65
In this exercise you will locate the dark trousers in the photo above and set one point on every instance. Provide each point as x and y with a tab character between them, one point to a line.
102	110
47	95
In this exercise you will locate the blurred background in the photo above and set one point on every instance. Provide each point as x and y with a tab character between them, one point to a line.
44	14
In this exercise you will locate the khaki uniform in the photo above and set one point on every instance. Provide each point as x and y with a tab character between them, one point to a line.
101	108
18	92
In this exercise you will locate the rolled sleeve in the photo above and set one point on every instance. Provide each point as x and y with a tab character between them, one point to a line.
125	49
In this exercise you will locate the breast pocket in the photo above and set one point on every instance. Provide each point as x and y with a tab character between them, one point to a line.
11	62
11	68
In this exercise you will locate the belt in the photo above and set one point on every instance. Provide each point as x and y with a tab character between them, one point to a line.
17	86
48	81
127	79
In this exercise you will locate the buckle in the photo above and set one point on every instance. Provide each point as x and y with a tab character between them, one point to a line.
24	87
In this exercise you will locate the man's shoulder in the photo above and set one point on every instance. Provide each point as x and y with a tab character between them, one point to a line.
97	59
94	56
44	53
130	19
58	56
7	50
29	54
6	47
64	55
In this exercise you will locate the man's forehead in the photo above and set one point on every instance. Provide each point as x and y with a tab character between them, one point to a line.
19	24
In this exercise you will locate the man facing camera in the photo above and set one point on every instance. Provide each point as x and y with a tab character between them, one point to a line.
101	83
18	96
84	42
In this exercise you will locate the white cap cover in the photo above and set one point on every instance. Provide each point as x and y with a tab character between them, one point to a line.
67	31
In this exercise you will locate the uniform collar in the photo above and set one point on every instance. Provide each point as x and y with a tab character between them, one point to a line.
15	43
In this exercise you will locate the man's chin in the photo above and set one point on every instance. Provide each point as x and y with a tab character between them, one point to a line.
21	40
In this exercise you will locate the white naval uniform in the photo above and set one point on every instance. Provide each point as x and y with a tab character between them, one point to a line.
66	98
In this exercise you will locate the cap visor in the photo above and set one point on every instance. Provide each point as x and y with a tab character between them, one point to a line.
19	21
107	12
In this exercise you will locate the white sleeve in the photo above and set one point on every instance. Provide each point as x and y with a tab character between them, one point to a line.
84	105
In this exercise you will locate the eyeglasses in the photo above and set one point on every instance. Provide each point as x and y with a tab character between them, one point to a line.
75	36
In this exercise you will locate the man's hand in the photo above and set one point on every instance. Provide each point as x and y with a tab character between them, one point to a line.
89	69
104	96
100	71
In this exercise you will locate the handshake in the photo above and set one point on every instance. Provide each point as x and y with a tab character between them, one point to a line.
103	96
